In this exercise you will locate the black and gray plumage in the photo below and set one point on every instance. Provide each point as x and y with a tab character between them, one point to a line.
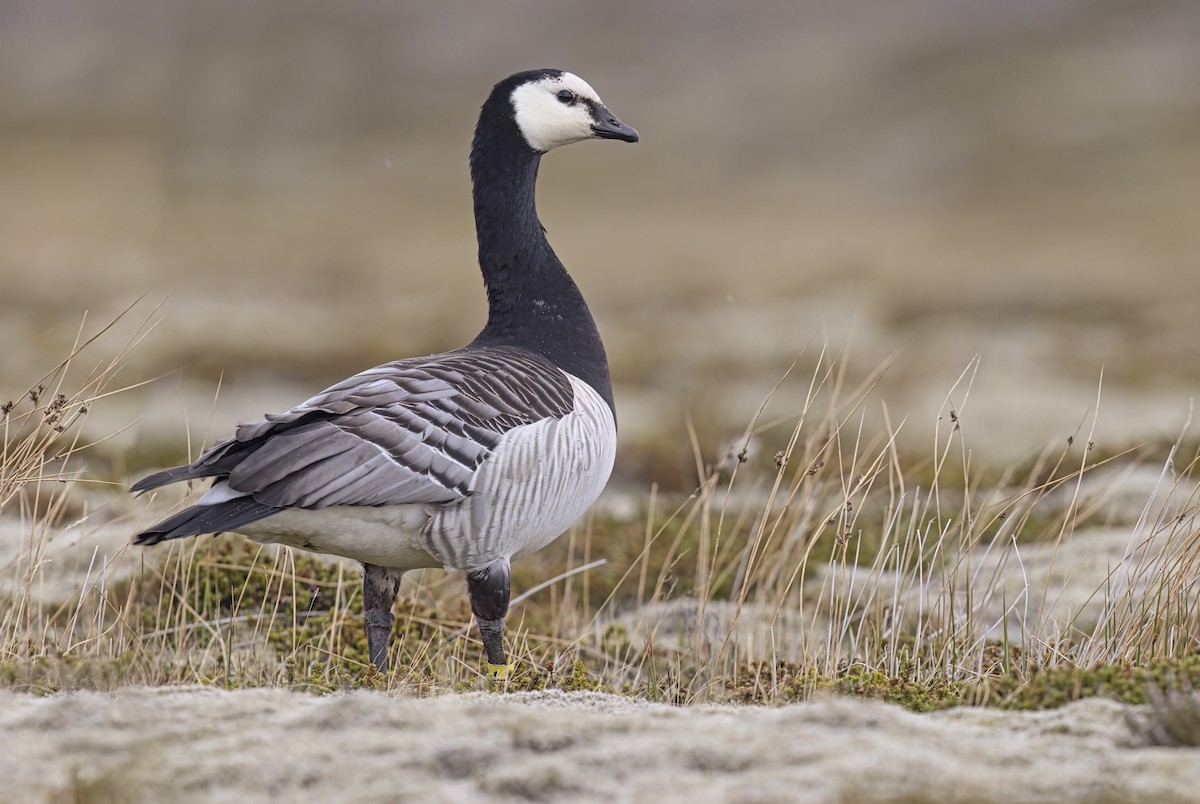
464	460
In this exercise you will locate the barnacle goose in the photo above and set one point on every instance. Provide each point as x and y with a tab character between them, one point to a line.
464	460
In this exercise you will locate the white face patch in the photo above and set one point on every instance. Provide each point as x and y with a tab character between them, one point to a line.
546	121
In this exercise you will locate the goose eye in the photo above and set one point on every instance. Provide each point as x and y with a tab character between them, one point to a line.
566	96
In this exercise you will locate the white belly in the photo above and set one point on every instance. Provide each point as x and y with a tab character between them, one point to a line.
387	536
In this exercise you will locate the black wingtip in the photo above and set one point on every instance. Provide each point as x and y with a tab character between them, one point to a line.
148	538
162	478
201	519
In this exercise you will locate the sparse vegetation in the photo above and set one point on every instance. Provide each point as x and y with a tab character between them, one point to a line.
813	558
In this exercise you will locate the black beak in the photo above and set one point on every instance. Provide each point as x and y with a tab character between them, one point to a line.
606	126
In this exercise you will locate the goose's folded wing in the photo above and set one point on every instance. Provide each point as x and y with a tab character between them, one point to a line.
413	431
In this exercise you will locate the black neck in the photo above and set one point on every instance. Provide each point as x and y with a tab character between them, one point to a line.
532	301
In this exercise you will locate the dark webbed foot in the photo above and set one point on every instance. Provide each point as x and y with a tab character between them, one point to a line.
380	587
489	590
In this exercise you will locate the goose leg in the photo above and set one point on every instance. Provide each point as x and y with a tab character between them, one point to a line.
380	587
489	590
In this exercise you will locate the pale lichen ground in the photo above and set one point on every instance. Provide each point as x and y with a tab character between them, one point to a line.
195	744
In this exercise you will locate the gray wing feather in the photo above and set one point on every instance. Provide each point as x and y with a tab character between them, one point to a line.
413	431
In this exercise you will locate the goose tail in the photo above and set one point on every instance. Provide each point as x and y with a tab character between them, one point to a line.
200	519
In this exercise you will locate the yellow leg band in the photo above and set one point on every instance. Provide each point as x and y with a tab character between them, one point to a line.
498	671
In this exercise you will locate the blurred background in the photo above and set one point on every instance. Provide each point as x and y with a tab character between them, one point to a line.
915	184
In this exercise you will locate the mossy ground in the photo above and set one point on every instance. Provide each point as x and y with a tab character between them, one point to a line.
310	617
1041	689
1124	681
788	683
300	616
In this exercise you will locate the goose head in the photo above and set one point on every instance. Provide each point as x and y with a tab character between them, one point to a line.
554	107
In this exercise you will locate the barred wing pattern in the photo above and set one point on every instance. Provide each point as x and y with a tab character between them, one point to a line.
411	431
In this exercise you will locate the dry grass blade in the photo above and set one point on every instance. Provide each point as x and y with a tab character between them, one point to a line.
43	450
